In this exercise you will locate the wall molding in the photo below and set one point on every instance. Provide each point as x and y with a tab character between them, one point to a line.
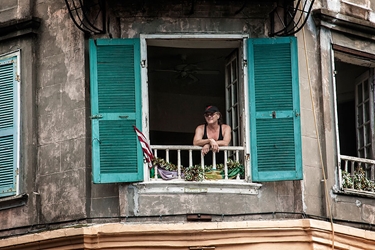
285	234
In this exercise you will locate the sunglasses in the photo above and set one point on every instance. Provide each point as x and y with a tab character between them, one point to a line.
209	114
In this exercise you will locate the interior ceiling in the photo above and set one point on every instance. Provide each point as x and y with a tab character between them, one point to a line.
187	71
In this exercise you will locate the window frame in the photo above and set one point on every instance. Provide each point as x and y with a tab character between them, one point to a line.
15	58
146	39
245	45
370	111
337	51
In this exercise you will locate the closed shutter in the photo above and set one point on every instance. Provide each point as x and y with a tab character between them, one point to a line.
8	126
115	108
275	113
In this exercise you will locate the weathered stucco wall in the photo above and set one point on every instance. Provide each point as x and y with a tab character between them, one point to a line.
56	153
333	29
61	179
207	18
64	159
57	177
14	40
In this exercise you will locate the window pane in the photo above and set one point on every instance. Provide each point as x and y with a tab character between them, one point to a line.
360	115
360	137
365	89
368	153
234	93
359	93
366	112
228	75
361	153
229	94
235	122
234	141
368	134
234	69
229	122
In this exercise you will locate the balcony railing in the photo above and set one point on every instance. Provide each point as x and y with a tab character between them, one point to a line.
357	175
350	164
235	153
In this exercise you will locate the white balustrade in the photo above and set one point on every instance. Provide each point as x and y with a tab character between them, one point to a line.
350	164
233	151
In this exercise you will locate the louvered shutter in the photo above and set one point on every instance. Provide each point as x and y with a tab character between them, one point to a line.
274	109
115	108
8	126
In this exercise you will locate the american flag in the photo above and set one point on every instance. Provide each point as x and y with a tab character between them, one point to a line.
147	152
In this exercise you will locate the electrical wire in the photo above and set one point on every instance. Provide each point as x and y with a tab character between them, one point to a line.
88	221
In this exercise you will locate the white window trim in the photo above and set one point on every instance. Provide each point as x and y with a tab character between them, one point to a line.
185	186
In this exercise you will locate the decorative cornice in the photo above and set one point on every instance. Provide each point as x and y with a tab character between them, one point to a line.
19	27
282	234
343	23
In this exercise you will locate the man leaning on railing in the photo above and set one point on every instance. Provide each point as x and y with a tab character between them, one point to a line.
212	134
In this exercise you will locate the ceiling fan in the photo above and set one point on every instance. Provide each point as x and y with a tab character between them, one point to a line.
189	70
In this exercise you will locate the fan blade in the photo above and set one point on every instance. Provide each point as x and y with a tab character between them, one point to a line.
165	70
193	77
182	67
207	72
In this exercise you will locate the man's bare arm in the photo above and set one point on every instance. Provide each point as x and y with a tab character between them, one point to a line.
198	141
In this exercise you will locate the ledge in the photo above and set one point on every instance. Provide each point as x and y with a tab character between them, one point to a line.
281	235
13	201
189	187
343	23
354	192
19	27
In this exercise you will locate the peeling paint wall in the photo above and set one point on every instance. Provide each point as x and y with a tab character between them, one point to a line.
56	135
58	183
61	179
333	31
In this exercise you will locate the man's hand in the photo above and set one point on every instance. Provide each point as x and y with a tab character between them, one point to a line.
214	146
205	149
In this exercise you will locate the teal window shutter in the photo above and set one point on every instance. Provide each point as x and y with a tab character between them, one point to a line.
115	107
8	126
275	128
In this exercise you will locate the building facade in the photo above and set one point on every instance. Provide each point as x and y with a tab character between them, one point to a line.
293	79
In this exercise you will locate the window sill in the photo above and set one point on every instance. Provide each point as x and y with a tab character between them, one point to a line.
13	201
192	187
354	192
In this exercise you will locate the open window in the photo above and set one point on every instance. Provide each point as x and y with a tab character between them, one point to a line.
355	110
162	83
185	77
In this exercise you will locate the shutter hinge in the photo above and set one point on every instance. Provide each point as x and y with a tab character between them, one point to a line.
96	117
143	63
18	79
17	171
244	63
